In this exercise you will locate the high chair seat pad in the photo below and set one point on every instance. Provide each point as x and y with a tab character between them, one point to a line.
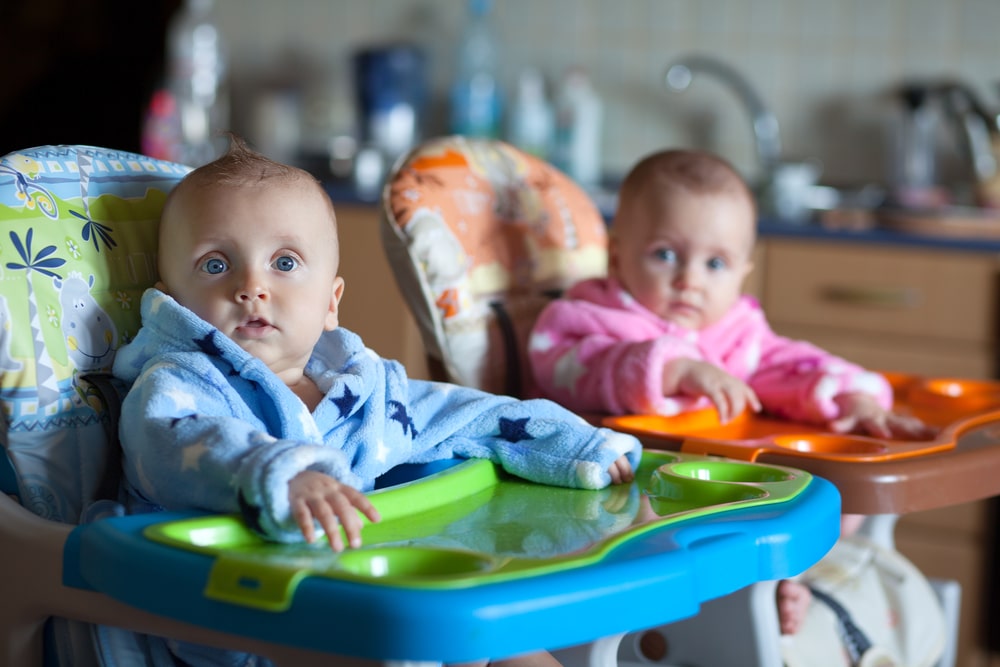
472	223
77	249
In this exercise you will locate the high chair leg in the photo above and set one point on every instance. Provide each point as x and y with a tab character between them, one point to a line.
600	653
750	619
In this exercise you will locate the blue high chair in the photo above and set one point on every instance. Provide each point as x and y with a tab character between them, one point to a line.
431	584
480	237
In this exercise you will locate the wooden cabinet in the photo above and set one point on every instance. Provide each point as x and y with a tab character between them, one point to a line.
916	310
888	307
372	306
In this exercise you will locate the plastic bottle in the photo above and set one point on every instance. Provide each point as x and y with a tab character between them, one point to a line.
196	78
476	97
579	119
532	123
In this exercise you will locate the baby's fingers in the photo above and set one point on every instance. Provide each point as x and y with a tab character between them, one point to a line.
723	404
843	425
346	505
878	428
731	401
621	471
353	501
326	513
304	518
911	428
363	505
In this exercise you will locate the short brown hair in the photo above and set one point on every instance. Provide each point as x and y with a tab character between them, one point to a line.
240	165
696	171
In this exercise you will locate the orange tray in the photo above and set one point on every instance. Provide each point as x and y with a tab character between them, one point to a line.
953	405
898	476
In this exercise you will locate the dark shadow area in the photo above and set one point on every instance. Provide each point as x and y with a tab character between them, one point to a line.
79	72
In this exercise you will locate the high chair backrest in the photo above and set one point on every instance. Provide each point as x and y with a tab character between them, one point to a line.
78	228
480	236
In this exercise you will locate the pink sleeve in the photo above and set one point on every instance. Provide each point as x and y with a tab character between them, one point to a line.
798	381
592	358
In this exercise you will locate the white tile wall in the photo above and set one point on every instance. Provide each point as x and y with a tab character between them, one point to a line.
823	66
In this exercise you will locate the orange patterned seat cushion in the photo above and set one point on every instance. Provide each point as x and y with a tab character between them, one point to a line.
483	223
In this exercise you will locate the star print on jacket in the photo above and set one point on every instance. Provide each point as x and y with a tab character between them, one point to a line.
512	430
207	344
346	402
399	414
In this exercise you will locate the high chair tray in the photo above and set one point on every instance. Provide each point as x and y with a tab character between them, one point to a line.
470	562
896	477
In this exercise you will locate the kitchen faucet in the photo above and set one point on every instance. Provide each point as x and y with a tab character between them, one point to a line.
763	122
785	189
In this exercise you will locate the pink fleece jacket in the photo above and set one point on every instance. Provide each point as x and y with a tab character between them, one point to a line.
597	350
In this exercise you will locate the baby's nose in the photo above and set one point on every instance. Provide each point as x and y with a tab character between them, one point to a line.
251	288
687	275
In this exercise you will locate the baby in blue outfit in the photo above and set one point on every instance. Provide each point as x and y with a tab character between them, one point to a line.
247	397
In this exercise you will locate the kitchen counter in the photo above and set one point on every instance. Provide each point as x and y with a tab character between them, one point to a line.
877	235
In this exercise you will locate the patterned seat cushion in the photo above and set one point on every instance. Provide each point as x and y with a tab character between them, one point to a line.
77	249
480	236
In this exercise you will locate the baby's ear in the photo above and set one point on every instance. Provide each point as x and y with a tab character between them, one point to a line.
332	320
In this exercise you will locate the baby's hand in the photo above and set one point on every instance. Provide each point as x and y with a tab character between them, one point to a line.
861	413
728	393
621	471
315	495
793	604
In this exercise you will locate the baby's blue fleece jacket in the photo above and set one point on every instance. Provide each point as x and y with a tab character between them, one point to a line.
208	426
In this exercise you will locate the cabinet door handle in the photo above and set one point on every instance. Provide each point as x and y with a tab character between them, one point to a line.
891	297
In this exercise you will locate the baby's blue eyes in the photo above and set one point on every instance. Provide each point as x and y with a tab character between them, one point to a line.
670	257
665	255
285	263
214	266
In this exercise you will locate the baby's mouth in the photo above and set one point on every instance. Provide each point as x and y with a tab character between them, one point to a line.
254	327
683	305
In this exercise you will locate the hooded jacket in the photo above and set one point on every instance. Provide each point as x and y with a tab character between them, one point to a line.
208	426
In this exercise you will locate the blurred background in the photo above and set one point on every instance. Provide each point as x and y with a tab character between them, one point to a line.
829	72
843	103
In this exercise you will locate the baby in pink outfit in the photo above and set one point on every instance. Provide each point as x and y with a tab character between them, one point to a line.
669	328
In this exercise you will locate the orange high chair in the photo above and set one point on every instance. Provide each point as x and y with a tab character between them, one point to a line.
480	236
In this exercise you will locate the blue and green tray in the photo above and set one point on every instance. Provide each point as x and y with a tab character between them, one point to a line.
469	562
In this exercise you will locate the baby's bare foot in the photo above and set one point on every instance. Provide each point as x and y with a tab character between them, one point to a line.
793	601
